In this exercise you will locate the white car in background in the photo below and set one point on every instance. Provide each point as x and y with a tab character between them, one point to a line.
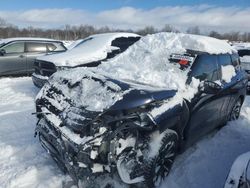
244	53
239	176
89	52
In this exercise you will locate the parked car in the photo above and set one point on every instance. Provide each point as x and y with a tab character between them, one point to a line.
239	175
17	55
136	112
245	63
88	53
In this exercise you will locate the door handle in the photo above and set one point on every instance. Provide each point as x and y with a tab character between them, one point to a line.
21	56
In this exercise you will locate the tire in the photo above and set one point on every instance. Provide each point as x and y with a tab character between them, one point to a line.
235	112
159	166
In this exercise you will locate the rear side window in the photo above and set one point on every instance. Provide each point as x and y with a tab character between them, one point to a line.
124	42
205	67
17	47
36	47
55	47
235	60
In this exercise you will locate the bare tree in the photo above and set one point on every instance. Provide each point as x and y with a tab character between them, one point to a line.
194	30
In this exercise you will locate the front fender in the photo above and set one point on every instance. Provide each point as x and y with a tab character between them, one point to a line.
174	118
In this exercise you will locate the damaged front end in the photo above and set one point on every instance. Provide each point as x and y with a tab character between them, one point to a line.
85	144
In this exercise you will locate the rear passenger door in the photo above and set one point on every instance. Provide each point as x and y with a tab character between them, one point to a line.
13	61
205	108
33	50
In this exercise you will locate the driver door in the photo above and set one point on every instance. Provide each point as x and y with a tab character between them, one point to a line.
13	61
205	108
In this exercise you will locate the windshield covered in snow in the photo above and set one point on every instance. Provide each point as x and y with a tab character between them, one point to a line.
83	42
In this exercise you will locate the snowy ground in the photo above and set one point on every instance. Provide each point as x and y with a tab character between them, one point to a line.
24	163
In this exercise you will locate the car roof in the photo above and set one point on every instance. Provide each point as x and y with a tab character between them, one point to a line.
7	40
115	35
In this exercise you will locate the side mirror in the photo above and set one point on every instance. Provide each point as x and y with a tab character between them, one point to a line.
210	87
2	52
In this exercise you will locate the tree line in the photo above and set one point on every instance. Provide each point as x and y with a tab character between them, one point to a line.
69	32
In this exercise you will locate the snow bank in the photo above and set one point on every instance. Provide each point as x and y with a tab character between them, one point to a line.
93	48
23	162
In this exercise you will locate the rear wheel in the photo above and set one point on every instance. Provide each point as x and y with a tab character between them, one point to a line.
235	113
159	166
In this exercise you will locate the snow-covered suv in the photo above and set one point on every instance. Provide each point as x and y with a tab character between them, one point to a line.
88	52
134	113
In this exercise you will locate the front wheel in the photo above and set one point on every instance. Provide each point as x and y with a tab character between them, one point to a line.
235	113
159	166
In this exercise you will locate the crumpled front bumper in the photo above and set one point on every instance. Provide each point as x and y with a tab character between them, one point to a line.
65	153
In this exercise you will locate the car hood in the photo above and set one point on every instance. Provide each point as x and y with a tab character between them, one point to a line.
139	97
98	93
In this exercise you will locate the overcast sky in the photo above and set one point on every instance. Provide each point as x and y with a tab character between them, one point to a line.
221	15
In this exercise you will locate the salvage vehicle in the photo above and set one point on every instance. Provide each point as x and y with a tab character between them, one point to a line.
134	113
239	175
17	55
88	52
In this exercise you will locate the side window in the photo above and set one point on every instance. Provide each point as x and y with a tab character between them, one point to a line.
36	47
224	60
123	42
226	73
55	47
235	60
16	47
205	67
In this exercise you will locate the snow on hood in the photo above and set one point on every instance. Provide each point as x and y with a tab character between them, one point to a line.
147	61
93	48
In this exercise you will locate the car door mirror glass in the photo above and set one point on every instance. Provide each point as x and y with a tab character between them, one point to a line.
210	87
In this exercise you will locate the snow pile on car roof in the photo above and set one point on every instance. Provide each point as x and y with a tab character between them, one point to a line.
148	59
93	48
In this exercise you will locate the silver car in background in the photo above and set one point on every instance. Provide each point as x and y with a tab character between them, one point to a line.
17	55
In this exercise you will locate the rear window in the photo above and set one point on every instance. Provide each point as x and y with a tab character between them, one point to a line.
124	42
36	47
55	47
